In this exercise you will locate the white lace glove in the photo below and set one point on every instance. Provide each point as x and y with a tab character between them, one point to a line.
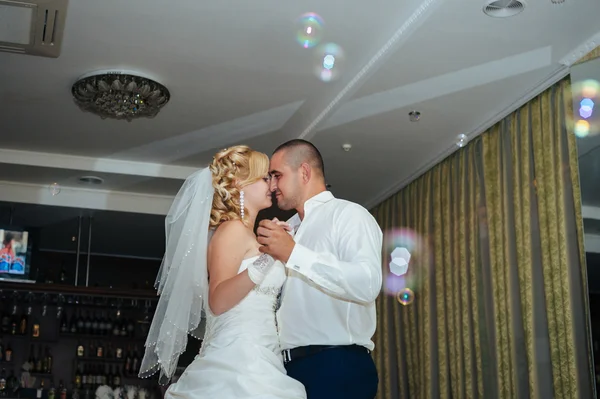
257	271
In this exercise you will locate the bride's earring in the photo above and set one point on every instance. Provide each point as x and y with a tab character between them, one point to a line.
242	203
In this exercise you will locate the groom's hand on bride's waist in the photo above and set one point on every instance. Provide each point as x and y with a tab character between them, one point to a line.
275	240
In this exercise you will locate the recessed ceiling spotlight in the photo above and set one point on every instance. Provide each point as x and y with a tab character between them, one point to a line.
346	147
557	1
91	180
503	8
414	116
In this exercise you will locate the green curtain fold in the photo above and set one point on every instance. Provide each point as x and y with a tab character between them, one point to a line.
500	308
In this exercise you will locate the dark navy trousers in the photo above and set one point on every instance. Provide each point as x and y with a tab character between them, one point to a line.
336	373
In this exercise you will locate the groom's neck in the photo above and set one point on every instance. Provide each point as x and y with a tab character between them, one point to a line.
311	192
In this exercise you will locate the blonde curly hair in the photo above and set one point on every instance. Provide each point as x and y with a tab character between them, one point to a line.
233	169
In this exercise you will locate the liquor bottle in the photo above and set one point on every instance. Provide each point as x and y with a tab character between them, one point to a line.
5	323
119	353
52	391
73	324
108	327
135	362
88	323
64	325
23	324
78	377
116	379
49	360
80	323
40	390
3	383
13	325
95	325
8	353
35	328
31	359
100	350
130	328
62	390
39	361
127	370
1	350
63	274
80	350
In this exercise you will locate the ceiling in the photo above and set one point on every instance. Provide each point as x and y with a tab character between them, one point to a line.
237	75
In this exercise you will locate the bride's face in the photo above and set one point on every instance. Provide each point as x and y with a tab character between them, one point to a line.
257	196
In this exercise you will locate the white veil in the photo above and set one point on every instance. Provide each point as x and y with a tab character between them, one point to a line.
182	280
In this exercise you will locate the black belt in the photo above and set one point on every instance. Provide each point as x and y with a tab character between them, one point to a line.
304	351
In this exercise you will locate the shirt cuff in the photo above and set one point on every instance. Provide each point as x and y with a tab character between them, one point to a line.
301	259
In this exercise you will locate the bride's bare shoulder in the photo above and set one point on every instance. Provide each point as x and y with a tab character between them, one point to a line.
232	232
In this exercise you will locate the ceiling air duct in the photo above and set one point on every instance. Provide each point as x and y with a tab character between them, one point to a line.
32	27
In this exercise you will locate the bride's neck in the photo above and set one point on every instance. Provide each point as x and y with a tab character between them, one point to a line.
251	219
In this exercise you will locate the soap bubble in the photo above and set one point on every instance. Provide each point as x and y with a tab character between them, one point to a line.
310	30
329	62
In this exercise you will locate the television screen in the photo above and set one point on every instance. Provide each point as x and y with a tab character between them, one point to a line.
13	251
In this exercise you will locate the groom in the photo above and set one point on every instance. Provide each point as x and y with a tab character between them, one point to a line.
327	315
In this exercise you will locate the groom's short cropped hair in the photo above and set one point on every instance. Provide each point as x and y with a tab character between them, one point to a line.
299	151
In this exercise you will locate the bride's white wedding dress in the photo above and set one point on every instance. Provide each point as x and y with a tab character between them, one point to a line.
240	356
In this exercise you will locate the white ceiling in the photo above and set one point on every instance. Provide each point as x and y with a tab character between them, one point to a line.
236	75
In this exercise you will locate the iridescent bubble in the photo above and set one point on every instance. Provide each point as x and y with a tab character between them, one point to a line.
54	189
406	296
310	30
329	62
590	88
462	140
582	128
587	102
585	112
403	248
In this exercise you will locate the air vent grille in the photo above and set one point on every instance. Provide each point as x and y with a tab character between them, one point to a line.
34	28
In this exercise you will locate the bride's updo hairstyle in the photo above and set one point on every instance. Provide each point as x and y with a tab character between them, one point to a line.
233	169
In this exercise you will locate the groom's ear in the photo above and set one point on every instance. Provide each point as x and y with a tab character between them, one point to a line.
306	172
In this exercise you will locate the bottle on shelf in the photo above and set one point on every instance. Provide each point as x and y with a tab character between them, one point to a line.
64	324
49	359
35	328
13	325
52	391
39	368
78	373
23	324
3	383
8	353
40	390
80	350
31	359
80	323
62	390
100	350
116	378
88	323
73	324
1	350
5	323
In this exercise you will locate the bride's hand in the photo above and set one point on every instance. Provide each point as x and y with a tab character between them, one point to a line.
285	225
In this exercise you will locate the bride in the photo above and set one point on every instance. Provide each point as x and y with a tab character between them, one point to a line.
227	277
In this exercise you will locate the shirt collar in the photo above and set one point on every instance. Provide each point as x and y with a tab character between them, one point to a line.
321	198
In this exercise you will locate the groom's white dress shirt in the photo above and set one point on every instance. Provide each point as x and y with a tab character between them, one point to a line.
334	276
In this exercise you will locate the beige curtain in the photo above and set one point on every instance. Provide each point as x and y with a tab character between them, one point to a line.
500	307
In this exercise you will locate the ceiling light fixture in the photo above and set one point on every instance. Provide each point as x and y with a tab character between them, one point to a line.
557	1
414	116
120	95
503	8
346	147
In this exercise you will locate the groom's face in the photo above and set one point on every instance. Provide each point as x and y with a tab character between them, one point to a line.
285	183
